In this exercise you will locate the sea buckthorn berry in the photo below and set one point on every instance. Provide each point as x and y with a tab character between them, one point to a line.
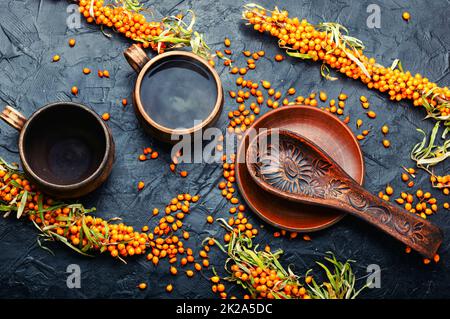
342	97
72	42
74	90
279	58
436	258
389	190
419	193
154	155
371	114
406	16
323	96
105	116
142	286
56	58
405	177
215	279
266	84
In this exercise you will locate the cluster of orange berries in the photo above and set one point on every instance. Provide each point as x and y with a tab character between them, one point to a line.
219	288
8	191
240	222
303	37
267	284
118	239
227	186
148	153
441	182
241	225
133	25
423	205
163	241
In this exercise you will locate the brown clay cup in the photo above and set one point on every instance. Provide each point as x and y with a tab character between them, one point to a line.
66	149
140	62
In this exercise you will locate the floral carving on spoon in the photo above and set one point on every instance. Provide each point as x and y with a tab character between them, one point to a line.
285	167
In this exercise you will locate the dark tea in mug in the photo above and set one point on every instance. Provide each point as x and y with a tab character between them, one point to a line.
178	91
65	145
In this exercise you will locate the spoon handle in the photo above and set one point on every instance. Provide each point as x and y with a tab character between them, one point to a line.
405	226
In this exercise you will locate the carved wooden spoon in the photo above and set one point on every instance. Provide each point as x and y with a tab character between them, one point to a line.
290	166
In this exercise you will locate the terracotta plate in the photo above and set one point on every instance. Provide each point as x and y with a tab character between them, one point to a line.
330	134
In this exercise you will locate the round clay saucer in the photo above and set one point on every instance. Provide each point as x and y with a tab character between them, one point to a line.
330	134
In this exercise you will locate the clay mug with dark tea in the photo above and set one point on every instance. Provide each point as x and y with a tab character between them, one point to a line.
65	148
176	93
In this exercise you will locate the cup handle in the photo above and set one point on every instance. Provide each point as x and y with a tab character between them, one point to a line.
13	117
136	57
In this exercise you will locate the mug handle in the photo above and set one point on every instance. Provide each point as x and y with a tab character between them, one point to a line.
136	57
13	117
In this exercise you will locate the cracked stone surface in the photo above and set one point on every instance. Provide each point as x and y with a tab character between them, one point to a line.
31	32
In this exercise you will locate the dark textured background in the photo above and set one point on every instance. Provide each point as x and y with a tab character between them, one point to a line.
32	31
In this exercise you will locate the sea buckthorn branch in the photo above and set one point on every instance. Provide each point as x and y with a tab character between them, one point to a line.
330	43
426	155
261	275
125	17
70	224
258	272
340	284
73	225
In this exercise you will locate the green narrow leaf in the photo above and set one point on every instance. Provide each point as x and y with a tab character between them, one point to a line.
7	208
87	231
66	242
22	204
296	54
